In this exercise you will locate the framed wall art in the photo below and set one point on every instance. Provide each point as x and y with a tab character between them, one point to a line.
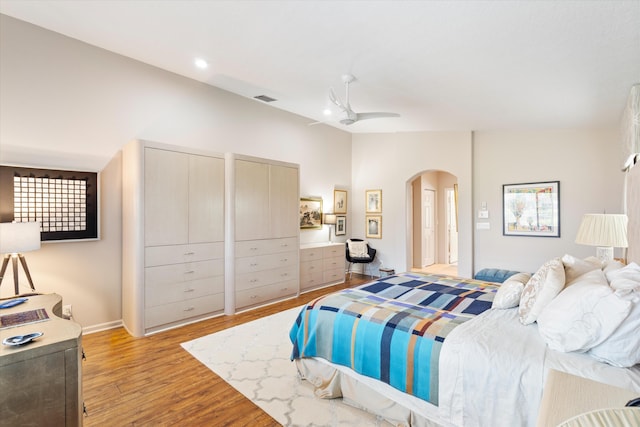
339	201
311	212
341	225
373	201
531	209
374	226
64	202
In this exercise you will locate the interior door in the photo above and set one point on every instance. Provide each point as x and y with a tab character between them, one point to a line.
452	228
428	228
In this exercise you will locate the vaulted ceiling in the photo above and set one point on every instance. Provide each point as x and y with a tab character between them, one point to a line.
442	65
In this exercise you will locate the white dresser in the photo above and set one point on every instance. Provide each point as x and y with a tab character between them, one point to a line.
321	264
173	236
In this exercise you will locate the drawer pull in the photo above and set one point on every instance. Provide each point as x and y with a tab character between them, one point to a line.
284	245
253	297
284	274
189	290
189	272
253	280
188	309
253	249
189	253
255	264
284	259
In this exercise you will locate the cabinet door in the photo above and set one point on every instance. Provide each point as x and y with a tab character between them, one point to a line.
251	200
284	201
206	199
166	179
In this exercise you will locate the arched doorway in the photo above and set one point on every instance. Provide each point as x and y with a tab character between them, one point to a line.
433	222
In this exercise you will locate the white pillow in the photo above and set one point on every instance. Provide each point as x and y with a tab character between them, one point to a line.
575	267
622	347
583	315
626	278
358	249
543	286
509	292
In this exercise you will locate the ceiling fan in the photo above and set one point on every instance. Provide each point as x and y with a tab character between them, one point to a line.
348	116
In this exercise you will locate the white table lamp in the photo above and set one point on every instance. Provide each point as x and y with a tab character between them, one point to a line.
15	239
606	231
329	219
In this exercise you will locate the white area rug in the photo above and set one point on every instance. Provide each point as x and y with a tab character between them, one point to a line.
254	359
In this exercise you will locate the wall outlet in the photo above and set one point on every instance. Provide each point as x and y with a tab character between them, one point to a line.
66	311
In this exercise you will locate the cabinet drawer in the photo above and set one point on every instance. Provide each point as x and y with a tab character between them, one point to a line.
333	263
311	266
334	276
167	274
177	254
267	246
265	262
310	280
163	314
263	278
174	292
310	254
249	297
333	251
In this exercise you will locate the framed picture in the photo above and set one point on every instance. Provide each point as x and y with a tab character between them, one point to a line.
341	225
374	226
311	212
531	209
374	201
339	201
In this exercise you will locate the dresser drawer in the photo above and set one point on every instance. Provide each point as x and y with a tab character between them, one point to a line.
263	278
177	254
310	280
311	266
163	314
333	251
333	263
174	292
250	297
334	276
310	254
265	262
263	247
167	274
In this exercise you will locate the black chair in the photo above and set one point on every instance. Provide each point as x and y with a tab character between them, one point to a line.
366	260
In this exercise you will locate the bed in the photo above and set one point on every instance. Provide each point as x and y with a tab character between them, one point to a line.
434	350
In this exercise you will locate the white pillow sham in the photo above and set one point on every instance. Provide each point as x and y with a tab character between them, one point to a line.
582	315
626	278
509	292
543	286
622	347
575	267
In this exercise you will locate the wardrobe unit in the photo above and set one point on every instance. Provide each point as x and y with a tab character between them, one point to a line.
264	230
173	236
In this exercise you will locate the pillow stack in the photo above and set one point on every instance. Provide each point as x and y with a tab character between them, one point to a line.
581	305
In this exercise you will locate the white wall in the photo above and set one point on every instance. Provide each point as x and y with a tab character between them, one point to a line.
67	104
585	162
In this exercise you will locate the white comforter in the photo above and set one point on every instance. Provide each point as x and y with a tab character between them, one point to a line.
491	372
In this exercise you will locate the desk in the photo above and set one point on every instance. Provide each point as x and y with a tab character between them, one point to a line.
41	381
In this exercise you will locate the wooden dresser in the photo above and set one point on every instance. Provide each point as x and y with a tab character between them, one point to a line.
321	264
41	381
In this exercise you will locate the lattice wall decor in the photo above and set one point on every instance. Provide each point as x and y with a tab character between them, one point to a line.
64	202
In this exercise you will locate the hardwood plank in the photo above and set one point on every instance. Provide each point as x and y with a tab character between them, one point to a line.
152	380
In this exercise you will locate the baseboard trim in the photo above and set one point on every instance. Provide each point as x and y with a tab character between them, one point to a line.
102	327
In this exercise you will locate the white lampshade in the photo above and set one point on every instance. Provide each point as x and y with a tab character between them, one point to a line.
603	230
19	237
329	218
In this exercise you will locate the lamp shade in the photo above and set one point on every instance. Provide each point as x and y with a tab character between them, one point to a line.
607	230
19	237
329	218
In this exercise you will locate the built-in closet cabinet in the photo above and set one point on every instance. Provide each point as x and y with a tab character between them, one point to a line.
173	236
265	232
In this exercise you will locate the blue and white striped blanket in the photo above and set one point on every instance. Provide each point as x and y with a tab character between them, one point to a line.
391	329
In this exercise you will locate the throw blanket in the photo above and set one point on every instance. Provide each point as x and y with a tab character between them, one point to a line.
391	329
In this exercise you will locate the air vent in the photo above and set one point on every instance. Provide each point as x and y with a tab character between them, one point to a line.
265	98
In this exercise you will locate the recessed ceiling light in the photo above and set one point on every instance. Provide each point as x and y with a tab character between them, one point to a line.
201	63
327	112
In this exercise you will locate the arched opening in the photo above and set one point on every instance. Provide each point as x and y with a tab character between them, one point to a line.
433	222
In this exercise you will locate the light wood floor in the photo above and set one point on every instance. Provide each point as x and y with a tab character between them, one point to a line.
450	269
153	381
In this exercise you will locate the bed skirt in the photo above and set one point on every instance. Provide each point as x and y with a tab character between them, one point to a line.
334	381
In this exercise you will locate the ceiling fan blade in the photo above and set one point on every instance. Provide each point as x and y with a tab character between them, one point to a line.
333	98
377	115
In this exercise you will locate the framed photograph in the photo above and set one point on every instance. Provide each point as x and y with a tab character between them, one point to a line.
341	225
531	209
374	226
311	212
374	201
339	201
